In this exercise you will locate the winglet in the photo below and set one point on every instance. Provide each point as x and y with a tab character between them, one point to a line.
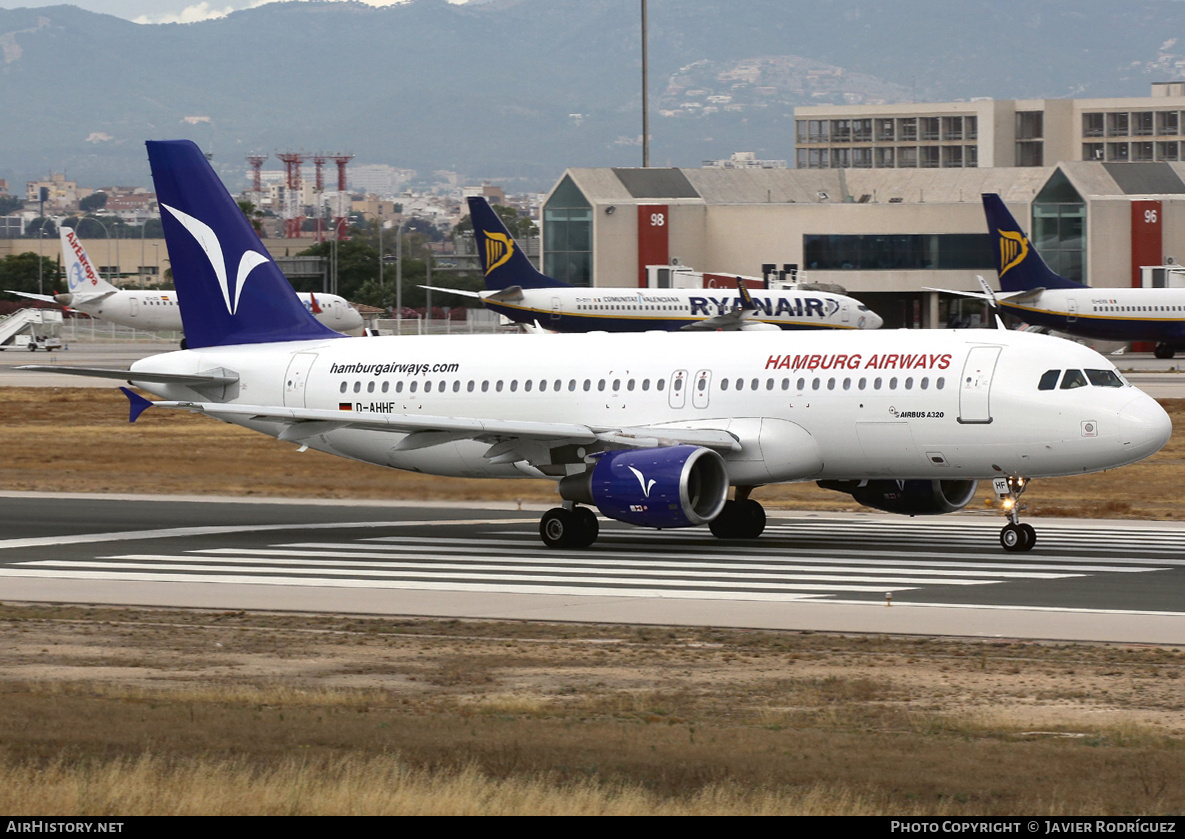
746	298
988	294
137	404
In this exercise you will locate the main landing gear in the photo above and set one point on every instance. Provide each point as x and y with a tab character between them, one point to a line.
1016	536
569	527
743	518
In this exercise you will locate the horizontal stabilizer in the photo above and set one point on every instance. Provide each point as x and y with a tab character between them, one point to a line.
137	404
458	291
213	377
44	298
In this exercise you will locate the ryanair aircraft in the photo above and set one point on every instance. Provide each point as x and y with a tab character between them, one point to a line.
651	429
515	289
1036	295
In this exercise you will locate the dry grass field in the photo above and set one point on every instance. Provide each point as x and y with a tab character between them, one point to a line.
116	712
119	711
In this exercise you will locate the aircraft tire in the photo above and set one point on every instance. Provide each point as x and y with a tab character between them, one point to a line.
1017	538
560	528
587	527
557	528
724	526
750	519
1163	351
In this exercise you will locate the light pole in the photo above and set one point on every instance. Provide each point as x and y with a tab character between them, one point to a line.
399	274
40	258
645	98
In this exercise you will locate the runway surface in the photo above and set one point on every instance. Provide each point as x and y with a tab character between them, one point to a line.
1099	581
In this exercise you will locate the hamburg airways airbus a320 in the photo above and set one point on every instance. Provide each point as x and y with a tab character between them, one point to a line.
651	429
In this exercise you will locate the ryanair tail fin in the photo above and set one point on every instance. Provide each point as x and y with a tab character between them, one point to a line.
81	275
502	261
229	288
1019	265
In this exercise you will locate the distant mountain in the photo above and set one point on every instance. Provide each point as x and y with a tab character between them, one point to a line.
517	90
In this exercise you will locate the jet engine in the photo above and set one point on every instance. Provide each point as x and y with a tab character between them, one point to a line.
674	486
911	498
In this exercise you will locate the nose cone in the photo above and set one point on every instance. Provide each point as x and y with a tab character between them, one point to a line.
1144	427
870	320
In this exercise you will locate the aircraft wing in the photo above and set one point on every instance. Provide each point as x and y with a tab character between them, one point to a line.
510	440
1015	296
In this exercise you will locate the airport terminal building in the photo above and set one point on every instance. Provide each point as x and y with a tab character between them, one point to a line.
1100	207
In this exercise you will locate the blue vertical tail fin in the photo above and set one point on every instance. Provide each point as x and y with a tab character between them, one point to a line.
1018	264
503	262
229	288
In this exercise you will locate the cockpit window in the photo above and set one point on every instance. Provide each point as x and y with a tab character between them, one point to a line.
1049	380
1073	379
1104	378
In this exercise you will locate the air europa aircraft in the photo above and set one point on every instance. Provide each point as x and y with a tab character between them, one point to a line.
1030	290
157	311
652	429
515	289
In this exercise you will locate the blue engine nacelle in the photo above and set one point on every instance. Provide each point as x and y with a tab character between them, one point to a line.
674	486
911	498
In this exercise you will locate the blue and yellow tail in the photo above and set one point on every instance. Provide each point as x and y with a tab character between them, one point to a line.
229	288
1019	265
502	261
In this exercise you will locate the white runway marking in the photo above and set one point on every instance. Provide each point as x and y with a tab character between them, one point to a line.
805	559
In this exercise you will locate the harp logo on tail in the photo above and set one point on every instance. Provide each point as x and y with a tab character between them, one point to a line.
1013	249
499	249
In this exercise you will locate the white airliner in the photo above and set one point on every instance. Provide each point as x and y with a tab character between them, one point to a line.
157	311
1030	290
514	288
651	429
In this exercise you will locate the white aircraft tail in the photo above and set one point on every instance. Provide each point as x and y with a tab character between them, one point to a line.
81	275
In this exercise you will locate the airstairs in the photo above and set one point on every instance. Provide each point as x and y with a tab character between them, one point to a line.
30	329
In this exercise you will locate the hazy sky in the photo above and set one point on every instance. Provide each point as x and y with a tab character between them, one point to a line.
166	11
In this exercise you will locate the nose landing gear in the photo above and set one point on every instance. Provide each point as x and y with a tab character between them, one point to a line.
1016	536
